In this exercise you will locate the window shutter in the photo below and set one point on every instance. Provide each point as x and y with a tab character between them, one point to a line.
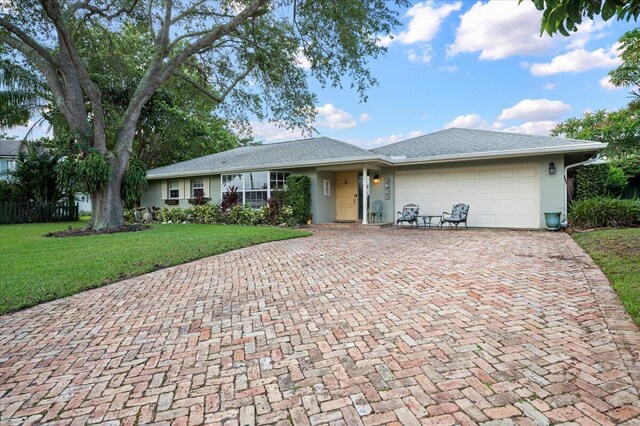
165	190
183	188
205	181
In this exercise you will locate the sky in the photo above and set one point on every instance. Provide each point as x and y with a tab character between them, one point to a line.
469	64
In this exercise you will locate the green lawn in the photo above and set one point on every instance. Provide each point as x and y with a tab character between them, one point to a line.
617	252
37	269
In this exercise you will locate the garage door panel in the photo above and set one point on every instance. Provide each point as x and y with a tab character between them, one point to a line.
501	196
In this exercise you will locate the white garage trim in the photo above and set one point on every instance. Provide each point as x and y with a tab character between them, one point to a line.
505	196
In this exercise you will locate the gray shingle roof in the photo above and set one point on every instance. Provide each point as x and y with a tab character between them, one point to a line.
261	157
323	150
9	148
467	141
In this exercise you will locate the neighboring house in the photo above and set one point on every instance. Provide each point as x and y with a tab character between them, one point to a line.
509	180
9	150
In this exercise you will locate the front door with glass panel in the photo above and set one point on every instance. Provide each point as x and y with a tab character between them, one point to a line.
347	196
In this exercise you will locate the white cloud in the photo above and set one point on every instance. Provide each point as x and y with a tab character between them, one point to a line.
499	29
469	121
421	56
425	20
334	118
542	127
272	132
364	117
385	140
550	86
576	61
535	109
424	23
605	83
302	60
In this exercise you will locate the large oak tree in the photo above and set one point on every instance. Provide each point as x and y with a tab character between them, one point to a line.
242	54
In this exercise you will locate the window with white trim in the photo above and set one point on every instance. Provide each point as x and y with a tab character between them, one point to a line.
197	188
174	189
255	188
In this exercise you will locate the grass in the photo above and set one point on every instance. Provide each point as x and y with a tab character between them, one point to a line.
617	253
36	269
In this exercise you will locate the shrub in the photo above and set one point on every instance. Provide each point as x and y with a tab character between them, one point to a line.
605	212
174	215
207	213
591	181
9	191
129	215
616	181
229	199
298	197
242	214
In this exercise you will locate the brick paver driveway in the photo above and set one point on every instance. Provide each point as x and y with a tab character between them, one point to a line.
343	327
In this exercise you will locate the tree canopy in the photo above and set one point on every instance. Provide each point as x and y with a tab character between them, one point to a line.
564	16
621	129
243	55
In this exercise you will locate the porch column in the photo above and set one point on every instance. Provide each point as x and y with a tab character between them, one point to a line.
365	191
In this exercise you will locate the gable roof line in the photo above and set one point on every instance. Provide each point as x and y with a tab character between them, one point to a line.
586	147
493	132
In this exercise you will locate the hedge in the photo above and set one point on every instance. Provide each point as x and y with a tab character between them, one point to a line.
298	196
602	212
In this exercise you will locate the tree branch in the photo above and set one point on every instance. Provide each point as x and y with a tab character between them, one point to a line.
52	9
27	40
157	73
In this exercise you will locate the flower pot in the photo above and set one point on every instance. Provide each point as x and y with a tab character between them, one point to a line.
552	219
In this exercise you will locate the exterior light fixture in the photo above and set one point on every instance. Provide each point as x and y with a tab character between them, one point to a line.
376	178
552	168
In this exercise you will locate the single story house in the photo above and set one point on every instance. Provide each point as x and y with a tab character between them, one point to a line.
509	180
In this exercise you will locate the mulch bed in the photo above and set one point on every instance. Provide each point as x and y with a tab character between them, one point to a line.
79	232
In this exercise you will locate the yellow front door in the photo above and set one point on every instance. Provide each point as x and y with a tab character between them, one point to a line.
347	196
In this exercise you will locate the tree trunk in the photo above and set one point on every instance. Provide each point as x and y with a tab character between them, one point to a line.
107	206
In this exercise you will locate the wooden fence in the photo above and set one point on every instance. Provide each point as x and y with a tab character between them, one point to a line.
30	212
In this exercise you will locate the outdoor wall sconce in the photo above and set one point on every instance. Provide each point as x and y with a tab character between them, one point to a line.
376	178
552	168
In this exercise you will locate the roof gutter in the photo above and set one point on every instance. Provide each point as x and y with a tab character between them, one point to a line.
350	160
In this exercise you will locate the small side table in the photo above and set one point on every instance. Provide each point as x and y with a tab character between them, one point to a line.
427	221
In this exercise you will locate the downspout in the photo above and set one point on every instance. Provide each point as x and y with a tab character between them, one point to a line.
590	161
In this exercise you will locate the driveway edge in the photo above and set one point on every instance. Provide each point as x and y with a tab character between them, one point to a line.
625	332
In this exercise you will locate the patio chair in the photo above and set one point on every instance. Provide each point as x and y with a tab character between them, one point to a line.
408	214
458	215
376	211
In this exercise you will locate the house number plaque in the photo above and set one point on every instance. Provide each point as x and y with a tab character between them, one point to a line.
387	188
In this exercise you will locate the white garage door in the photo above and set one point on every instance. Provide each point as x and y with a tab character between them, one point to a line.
499	196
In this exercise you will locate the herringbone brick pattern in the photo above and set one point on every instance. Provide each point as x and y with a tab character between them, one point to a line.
346	327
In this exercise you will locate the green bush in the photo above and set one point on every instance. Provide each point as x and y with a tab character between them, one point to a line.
600	180
174	215
616	181
129	215
591	181
602	212
298	197
207	213
243	214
